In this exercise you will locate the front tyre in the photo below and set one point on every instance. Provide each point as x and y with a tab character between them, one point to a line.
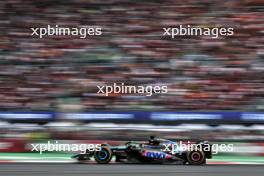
103	156
196	157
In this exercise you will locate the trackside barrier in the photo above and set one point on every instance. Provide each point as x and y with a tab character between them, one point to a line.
139	117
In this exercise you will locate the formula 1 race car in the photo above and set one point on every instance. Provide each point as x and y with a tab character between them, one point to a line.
154	151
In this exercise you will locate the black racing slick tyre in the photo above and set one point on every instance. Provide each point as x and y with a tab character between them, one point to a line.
103	156
196	157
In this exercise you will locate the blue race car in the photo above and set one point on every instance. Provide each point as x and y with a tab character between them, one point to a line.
155	150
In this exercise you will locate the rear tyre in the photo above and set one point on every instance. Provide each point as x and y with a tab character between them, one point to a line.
103	156
196	157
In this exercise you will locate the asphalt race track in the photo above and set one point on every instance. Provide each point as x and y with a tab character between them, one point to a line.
38	169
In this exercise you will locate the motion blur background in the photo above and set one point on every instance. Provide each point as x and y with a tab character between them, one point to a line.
48	86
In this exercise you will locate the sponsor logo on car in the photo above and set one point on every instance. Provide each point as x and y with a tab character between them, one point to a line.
154	155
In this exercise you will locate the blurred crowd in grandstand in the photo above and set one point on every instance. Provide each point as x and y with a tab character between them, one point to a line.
61	73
